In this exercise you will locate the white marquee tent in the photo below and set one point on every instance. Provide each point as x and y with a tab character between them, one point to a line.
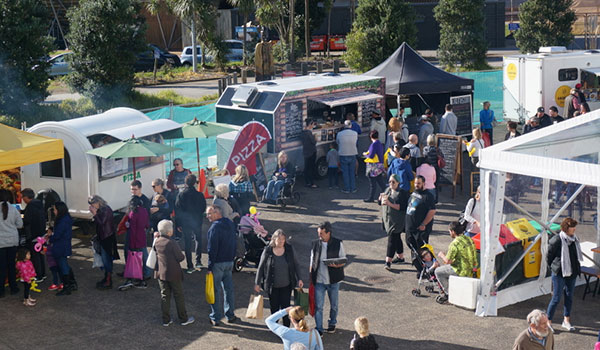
552	153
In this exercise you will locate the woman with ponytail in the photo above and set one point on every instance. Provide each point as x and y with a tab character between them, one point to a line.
299	334
10	222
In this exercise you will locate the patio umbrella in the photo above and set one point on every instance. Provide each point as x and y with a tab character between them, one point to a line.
132	148
195	129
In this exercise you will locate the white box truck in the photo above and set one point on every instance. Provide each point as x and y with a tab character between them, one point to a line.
544	79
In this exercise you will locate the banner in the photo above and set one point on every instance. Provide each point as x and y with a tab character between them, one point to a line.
250	139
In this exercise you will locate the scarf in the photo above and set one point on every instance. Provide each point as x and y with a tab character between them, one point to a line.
565	259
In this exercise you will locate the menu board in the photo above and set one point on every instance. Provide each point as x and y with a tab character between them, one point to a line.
367	108
462	106
293	120
475	181
259	180
451	148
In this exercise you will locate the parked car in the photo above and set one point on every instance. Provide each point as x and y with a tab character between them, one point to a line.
236	50
59	65
171	58
145	60
186	56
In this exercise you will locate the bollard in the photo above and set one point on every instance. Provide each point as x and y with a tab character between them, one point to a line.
224	83
304	68
229	79
336	66
220	87
235	78
244	76
319	67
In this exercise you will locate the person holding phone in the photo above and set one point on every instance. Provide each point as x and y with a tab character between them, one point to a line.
393	210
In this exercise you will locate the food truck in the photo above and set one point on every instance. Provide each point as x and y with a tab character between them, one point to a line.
284	105
85	174
544	80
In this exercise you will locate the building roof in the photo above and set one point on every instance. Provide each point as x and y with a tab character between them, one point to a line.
311	81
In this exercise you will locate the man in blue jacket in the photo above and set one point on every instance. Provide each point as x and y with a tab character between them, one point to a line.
221	254
486	120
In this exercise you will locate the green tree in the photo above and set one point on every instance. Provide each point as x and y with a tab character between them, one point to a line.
462	33
246	7
379	29
24	44
105	36
318	10
544	23
276	14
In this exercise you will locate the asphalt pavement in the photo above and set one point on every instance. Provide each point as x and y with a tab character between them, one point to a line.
94	319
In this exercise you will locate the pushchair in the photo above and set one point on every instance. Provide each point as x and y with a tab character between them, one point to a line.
426	273
255	238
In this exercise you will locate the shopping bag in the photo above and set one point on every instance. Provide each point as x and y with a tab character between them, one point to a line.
151	262
97	259
311	299
301	299
255	307
133	266
209	288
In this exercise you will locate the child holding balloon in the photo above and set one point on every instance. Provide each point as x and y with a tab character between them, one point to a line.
26	274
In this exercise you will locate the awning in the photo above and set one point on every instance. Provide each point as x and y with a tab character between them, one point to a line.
595	71
19	148
142	129
344	98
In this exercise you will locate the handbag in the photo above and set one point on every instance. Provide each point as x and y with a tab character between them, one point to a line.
133	266
255	307
209	288
441	161
152	258
122	226
311	299
97	259
301	299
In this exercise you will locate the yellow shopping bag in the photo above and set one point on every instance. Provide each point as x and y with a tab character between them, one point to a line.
210	288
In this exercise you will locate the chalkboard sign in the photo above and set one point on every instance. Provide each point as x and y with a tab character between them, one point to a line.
259	180
450	146
293	120
462	106
474	182
367	108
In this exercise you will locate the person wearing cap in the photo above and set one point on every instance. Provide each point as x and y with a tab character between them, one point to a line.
377	123
426	128
543	117
347	140
449	122
580	94
486	120
571	104
532	124
554	116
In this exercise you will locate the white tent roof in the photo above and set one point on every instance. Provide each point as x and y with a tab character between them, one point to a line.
550	152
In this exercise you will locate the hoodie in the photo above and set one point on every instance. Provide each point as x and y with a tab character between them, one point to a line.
379	125
403	169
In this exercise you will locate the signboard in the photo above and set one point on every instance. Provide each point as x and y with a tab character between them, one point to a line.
367	108
451	148
513	26
259	179
474	182
462	106
249	140
293	120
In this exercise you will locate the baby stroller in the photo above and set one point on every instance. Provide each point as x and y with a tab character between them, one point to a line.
255	238
426	273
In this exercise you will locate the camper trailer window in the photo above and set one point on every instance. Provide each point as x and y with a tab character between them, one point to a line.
567	74
53	168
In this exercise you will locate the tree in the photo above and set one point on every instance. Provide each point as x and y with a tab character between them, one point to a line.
246	7
379	29
24	45
462	33
105	36
275	14
544	23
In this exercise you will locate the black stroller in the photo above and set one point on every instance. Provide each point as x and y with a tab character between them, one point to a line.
255	238
426	273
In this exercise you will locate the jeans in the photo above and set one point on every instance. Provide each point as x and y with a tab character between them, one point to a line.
332	175
348	166
55	278
223	281
310	171
561	285
63	265
7	266
147	272
273	189
571	188
373	182
443	274
333	294
191	233
166	289
107	260
279	299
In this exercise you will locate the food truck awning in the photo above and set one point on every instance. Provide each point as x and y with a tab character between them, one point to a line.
595	71
19	148
143	129
344	98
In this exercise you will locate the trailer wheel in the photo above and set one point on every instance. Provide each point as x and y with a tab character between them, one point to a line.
322	167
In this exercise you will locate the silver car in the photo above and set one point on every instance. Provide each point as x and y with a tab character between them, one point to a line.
186	56
59	65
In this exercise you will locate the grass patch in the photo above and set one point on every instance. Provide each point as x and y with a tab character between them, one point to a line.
58	84
168	74
144	101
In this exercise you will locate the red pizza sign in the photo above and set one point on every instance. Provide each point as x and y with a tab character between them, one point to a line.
250	139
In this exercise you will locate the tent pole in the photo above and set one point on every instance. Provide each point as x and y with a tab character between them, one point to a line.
198	156
64	178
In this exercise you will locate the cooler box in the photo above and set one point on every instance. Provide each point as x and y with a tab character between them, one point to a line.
533	259
553	227
462	291
522	229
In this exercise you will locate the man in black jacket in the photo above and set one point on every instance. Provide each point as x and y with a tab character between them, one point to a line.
34	224
326	277
190	206
309	151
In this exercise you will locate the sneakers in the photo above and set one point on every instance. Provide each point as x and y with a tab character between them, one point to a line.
199	266
190	271
40	280
344	191
355	190
567	326
398	260
330	329
167	324
128	284
190	320
214	323
234	319
28	302
387	266
141	285
56	287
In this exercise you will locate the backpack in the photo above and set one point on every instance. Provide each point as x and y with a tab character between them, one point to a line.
461	217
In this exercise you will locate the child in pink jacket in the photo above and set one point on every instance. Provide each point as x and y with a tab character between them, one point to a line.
26	274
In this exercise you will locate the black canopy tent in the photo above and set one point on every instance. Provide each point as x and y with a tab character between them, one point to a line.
407	73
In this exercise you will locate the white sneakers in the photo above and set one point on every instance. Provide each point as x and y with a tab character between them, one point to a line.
567	326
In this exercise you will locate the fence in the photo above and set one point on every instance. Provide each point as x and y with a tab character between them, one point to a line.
488	87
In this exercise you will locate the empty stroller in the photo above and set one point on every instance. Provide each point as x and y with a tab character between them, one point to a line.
425	262
255	238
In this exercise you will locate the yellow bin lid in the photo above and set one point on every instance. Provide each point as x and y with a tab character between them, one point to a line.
522	229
